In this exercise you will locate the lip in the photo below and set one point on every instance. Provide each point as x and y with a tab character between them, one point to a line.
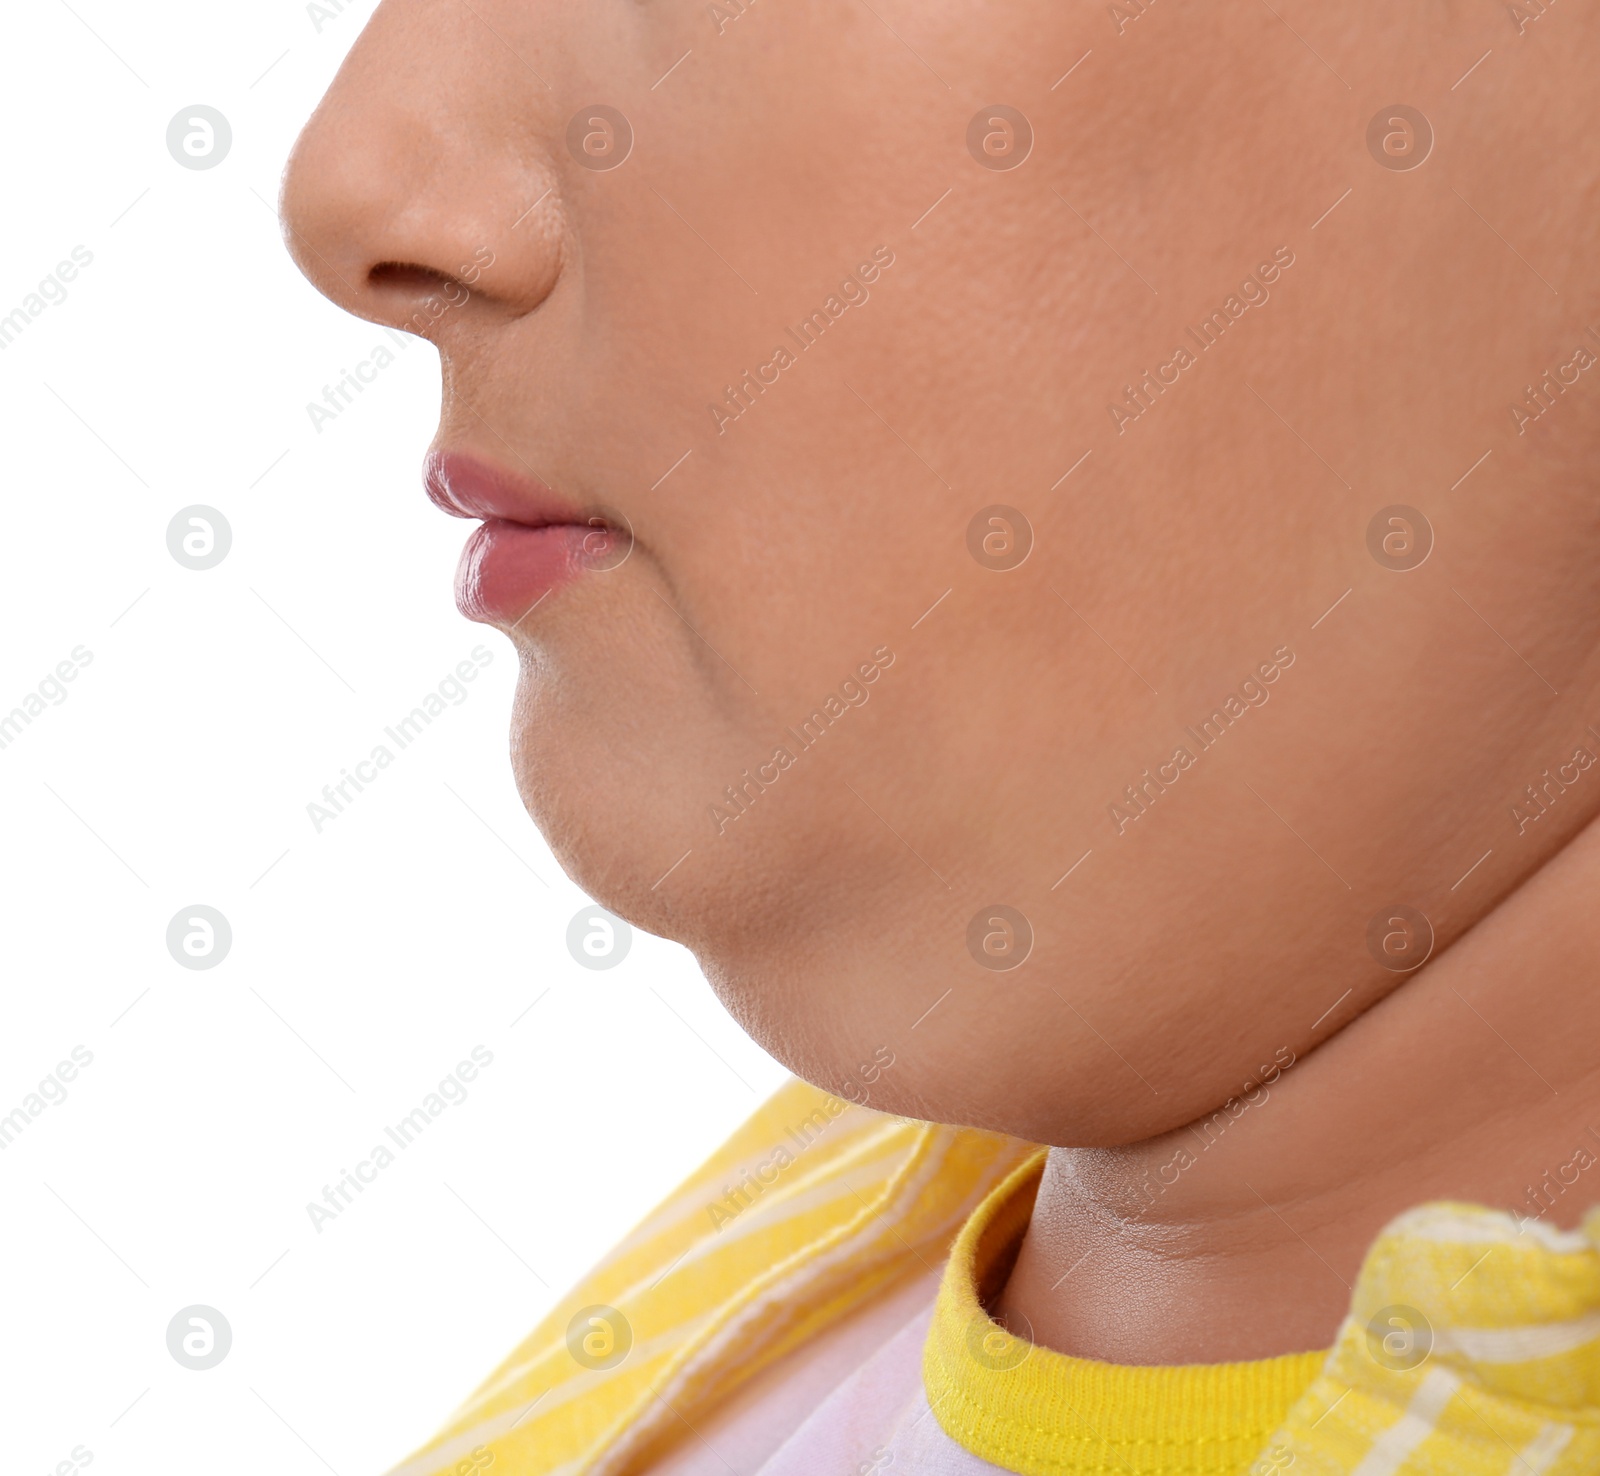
466	487
530	543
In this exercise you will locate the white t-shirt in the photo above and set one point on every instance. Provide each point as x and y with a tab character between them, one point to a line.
851	1403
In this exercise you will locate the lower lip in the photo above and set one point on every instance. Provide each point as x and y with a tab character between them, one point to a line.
507	569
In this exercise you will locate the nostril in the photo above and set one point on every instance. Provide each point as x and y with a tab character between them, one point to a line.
416	299
406	276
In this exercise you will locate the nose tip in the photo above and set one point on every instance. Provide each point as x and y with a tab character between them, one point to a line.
408	203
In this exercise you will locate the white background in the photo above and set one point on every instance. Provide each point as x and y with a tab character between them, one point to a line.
366	960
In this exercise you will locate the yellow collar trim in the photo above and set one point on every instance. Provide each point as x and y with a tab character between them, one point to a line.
1042	1413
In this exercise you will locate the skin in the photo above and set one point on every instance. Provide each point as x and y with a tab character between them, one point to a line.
1223	529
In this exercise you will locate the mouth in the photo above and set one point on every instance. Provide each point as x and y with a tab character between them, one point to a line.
530	542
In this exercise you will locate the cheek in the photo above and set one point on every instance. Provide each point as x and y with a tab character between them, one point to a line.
798	520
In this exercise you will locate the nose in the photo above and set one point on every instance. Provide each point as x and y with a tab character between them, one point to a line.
419	194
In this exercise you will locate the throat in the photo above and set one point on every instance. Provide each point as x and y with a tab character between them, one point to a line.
1242	1237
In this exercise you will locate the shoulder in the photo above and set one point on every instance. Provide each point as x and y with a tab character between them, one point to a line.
809	1209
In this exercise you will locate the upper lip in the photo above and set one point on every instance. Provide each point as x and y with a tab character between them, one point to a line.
467	487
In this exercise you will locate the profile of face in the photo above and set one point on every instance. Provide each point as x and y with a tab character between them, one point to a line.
1054	546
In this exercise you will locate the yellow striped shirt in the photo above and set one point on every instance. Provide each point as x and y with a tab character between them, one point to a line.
1472	1344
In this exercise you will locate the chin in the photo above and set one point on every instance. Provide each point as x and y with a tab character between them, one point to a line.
840	1006
614	749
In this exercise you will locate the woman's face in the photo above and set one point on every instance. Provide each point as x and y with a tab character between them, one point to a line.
937	457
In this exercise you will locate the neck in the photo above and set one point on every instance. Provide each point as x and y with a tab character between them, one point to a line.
1240	1236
